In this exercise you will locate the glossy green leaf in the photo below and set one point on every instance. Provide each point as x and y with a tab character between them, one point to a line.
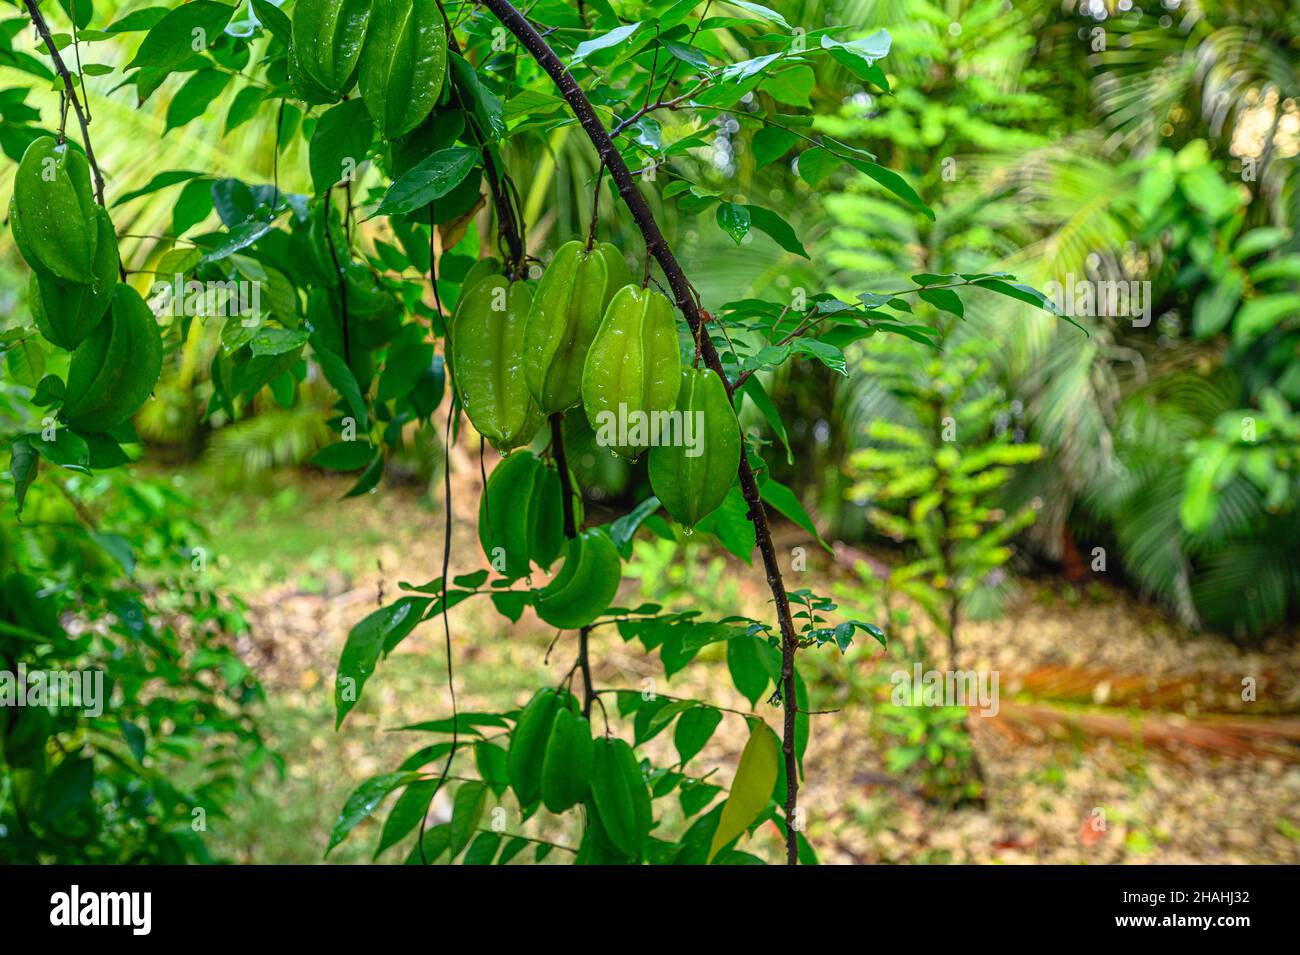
382	628
339	144
734	219
430	179
466	811
171	40
694	729
365	799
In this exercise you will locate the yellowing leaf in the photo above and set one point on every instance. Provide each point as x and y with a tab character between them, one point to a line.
752	787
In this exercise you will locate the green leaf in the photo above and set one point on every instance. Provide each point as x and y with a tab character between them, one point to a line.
1213	310
859	56
169	43
369	477
435	844
531	103
137	21
26	362
339	144
67	450
1285	267
1199	502
622	530
68	786
1261	315
243	107
754	390
696	795
365	799
24	463
768	221
411	806
783	499
160	181
595	44
406	361
745	663
272	341
687	54
275	20
944	299
771	143
343	456
891	181
484	105
378	632
238	238
431	178
511	604
491	762
515	846
825	352
340	376
466	810
760	11
483	849
1259	240
694	729
816	164
751	790
737	73
193	99
1026	294
731	525
734	220
793	86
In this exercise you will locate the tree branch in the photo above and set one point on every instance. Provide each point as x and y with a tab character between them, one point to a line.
507	226
69	91
658	247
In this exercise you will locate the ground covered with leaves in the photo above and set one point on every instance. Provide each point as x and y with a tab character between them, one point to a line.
1121	737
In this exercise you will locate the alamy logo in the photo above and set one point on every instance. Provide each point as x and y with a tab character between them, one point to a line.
1089	298
75	689
946	688
233	298
651	429
134	909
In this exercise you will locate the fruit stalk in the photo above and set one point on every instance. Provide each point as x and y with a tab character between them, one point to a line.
657	246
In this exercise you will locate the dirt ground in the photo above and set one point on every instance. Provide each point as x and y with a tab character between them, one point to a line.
1122	739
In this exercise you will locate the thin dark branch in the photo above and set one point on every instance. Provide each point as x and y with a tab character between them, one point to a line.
562	463
658	247
446	625
510	227
70	92
672	74
571	530
650	108
343	279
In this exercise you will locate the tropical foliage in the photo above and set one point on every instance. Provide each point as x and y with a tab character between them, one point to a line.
368	232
